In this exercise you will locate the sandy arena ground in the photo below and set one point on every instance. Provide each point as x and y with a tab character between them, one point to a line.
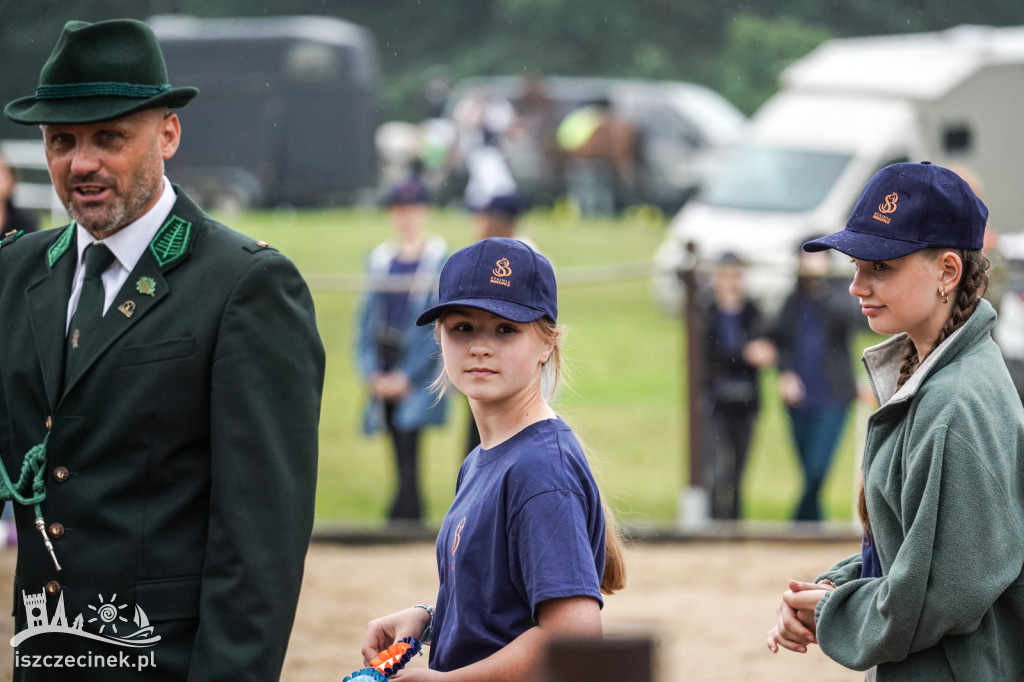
708	605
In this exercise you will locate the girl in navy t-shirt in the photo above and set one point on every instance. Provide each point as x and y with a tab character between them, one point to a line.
526	549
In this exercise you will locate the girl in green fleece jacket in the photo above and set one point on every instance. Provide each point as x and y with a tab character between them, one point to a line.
938	591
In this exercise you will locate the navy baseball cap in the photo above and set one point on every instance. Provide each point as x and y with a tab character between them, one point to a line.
508	205
505	277
907	207
408	192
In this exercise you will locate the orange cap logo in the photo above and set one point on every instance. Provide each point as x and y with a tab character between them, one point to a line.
890	203
502	269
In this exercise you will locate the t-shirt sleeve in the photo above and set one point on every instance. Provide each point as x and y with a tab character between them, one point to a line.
551	551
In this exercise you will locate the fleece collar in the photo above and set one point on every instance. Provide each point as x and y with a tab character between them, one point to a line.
883	360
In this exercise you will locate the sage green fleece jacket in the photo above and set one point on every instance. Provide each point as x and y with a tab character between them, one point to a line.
944	484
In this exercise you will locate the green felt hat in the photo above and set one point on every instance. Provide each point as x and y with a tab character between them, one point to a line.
99	72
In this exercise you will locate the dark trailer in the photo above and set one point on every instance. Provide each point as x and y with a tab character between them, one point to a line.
286	111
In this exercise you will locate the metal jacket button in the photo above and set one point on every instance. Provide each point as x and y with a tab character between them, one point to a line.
56	530
52	588
61	474
49	423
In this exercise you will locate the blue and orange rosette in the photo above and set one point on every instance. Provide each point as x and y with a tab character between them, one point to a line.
387	662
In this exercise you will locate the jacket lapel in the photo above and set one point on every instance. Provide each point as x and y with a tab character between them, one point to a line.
48	310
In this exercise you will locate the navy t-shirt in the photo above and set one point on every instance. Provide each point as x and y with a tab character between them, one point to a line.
526	525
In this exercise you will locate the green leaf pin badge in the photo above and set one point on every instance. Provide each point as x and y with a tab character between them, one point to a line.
146	286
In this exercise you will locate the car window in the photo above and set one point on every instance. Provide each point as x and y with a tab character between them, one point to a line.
775	179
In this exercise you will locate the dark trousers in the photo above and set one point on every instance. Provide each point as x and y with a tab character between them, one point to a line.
731	428
406	505
816	432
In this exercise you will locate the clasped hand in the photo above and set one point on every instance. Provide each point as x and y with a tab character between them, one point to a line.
795	627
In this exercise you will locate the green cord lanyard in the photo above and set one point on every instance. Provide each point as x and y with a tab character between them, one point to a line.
30	488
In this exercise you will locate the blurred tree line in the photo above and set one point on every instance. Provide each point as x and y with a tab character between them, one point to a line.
737	47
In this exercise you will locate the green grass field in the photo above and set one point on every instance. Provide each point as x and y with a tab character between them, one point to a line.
627	386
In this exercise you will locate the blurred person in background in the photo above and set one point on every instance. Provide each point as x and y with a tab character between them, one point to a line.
499	217
1009	329
482	119
13	218
397	359
813	332
735	349
531	142
603	151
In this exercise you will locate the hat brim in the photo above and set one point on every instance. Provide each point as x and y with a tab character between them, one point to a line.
512	312
864	246
33	111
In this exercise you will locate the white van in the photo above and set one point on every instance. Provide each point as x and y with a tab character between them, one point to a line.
849	108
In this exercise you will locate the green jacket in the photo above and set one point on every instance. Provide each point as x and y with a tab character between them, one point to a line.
181	462
944	481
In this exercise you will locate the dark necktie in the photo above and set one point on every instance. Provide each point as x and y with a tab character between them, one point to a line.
89	312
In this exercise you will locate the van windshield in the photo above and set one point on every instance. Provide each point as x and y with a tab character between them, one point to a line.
768	179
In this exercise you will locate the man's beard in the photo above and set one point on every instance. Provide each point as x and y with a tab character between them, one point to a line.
145	184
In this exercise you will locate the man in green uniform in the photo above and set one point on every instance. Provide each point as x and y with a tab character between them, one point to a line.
160	384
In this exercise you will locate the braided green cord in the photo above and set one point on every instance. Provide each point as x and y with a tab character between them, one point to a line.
111	89
33	475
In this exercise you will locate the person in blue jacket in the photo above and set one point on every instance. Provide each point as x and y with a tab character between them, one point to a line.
526	549
397	359
937	590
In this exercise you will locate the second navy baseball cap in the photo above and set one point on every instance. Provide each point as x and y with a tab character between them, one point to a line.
907	207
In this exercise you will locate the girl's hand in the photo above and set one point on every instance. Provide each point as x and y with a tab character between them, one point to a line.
806	615
795	627
383	632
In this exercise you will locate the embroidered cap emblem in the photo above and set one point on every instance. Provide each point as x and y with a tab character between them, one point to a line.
501	272
888	207
890	203
503	269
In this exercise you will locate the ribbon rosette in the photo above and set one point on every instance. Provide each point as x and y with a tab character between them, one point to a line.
394	658
387	662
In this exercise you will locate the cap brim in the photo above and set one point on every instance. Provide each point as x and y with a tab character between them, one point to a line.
503	309
33	111
864	246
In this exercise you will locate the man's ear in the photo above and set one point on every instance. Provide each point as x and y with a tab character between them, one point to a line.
170	135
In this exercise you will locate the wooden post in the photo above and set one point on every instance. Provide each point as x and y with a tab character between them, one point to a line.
694	502
596	659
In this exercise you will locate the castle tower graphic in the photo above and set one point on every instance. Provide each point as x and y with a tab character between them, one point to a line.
35	609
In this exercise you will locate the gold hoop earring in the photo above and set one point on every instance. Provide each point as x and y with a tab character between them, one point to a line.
945	297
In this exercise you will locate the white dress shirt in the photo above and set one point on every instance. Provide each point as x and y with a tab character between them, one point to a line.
127	245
